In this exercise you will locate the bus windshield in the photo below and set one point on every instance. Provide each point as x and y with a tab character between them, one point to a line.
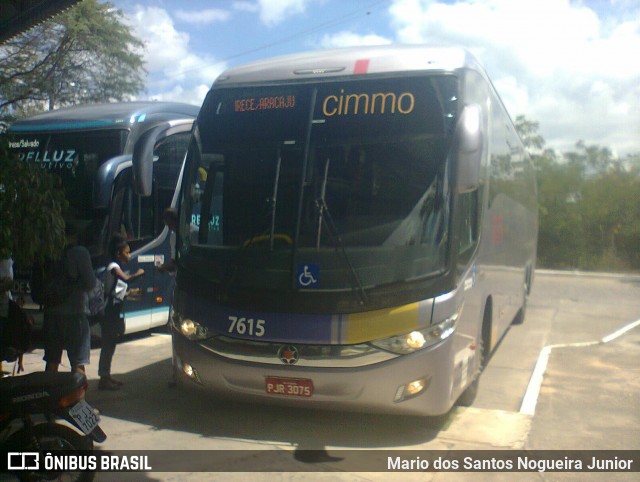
326	186
75	157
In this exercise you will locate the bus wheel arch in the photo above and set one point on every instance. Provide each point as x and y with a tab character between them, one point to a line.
469	395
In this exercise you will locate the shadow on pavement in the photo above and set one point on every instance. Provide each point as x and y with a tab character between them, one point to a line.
147	399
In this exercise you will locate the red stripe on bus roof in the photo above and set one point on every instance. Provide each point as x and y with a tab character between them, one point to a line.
361	66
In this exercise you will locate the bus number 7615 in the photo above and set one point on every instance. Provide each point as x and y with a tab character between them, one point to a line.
243	326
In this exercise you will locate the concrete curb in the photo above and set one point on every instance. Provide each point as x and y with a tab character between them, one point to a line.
588	274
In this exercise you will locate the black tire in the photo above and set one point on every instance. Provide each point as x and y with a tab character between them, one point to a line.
519	318
54	437
469	395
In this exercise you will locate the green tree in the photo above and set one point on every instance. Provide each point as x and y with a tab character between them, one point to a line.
591	159
529	133
561	240
588	207
560	237
611	217
32	203
84	55
599	201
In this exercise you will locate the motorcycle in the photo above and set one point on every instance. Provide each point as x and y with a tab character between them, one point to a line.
31	410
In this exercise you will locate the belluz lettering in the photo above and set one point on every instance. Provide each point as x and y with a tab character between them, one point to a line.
378	103
58	156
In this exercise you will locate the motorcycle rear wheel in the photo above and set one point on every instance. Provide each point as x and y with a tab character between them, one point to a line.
50	437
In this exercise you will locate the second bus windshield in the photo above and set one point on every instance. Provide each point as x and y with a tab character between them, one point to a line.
356	167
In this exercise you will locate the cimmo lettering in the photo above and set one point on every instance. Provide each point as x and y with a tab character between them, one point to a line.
368	104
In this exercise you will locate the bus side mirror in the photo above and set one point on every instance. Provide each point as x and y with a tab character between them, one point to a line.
104	179
467	148
143	161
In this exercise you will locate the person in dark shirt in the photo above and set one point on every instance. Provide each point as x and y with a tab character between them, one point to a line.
66	326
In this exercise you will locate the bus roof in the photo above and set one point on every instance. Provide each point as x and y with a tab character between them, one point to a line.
320	64
96	116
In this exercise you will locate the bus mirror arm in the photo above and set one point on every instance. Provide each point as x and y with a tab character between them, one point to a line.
104	179
467	148
143	160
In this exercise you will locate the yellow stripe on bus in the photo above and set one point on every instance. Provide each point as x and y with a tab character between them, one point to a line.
374	325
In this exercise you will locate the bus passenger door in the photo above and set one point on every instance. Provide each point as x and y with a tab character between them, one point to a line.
133	216
169	153
141	220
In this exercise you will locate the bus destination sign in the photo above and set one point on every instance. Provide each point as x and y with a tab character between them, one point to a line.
264	103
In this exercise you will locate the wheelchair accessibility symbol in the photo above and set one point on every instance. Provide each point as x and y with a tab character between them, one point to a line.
308	275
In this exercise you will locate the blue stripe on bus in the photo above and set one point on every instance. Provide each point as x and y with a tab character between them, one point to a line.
59	126
290	327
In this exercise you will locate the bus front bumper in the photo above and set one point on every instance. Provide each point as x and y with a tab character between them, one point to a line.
416	384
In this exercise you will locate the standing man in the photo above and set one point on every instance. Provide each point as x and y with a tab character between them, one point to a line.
66	326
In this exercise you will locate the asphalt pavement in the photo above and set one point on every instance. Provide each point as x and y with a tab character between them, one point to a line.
586	397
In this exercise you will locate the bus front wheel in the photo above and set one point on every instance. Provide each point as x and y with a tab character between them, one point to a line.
469	395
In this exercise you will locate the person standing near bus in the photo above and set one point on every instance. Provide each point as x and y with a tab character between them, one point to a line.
66	326
112	324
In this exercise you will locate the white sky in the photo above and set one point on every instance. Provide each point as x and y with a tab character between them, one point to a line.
573	66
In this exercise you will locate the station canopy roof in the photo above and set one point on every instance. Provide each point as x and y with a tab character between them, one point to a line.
18	16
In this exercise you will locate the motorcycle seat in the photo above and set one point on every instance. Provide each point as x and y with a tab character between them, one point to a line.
39	385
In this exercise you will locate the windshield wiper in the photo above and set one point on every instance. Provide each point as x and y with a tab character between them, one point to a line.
274	199
321	206
324	216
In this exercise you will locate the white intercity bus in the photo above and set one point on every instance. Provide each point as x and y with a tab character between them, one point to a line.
358	231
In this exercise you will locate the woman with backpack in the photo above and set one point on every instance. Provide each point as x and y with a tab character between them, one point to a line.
112	324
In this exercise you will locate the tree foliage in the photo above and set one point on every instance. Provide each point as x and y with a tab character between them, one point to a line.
84	55
528	131
32	204
588	205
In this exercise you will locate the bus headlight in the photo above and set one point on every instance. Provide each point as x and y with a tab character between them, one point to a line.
193	330
189	328
418	339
